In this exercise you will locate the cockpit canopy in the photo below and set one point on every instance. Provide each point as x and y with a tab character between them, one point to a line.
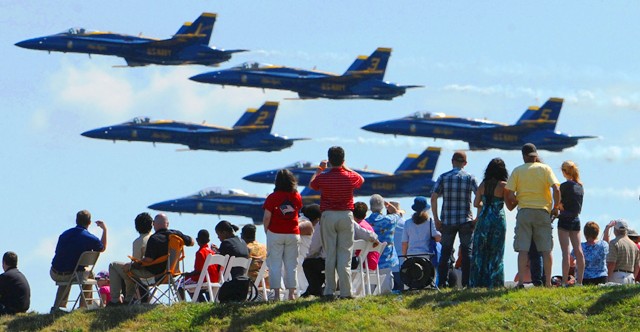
427	115
217	191
76	31
251	65
140	120
300	164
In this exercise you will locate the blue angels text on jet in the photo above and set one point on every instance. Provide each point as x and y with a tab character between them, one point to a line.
537	125
414	177
190	45
252	132
364	79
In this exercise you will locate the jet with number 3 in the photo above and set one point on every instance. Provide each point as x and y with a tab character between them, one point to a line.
414	177
190	45
537	125
363	80
252	132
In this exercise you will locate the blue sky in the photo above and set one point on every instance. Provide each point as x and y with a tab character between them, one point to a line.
475	59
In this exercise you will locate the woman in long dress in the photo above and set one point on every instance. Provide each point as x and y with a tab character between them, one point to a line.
487	267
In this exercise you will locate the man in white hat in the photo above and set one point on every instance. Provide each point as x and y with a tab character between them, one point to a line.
623	261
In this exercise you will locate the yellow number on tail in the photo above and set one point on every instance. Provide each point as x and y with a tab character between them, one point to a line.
263	116
423	163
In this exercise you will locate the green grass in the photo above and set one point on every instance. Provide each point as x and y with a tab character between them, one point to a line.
539	309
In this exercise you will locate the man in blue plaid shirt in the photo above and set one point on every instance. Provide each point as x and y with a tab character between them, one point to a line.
455	187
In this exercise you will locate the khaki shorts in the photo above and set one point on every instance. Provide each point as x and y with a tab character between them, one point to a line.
533	224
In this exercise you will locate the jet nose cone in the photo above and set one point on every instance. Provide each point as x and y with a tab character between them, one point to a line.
371	127
261	177
162	206
35	43
97	133
203	78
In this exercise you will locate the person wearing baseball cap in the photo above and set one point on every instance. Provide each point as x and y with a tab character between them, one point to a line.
528	189
623	260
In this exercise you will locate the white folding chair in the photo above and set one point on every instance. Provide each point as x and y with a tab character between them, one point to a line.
374	273
358	273
236	262
83	269
260	282
204	280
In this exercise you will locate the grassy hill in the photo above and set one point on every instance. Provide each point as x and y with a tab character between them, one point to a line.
539	309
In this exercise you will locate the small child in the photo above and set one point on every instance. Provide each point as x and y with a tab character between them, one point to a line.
104	287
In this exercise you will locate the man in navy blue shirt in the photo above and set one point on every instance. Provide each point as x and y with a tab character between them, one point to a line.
71	244
15	294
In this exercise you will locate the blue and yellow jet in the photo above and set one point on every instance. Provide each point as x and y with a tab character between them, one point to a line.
218	201
414	177
252	132
363	80
190	45
537	125
231	202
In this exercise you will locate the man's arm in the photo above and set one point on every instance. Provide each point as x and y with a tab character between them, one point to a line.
102	225
360	233
510	199
320	169
611	266
556	199
607	231
434	210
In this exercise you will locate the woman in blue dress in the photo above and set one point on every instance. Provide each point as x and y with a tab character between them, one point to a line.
487	266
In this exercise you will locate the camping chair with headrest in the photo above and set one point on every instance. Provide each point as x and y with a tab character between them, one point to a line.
417	271
81	277
204	281
358	277
169	277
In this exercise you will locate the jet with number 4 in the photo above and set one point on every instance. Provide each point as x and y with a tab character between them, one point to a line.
414	177
190	45
363	80
252	132
537	125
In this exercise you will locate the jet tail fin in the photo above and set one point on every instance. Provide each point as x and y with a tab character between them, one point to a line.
544	117
260	119
200	30
373	66
423	163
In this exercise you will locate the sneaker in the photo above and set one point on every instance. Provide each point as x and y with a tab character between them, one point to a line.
56	311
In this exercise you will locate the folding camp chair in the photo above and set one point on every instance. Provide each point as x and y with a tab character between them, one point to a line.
83	270
169	277
374	275
260	280
358	274
205	279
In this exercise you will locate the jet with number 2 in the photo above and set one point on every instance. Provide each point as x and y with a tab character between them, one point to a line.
414	177
252	132
537	125
363	80
190	45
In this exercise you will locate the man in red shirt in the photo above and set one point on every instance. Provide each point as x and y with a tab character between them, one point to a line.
336	188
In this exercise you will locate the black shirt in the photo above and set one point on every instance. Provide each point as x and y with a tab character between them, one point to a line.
158	246
15	293
234	246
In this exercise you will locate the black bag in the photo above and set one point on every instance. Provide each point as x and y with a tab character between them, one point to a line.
237	290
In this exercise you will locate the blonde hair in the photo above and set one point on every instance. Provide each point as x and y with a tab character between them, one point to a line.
571	169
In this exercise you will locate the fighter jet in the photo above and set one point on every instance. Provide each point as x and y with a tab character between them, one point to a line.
218	201
537	125
188	46
252	132
234	202
414	177
363	80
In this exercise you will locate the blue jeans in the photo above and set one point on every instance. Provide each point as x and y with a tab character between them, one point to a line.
535	265
448	238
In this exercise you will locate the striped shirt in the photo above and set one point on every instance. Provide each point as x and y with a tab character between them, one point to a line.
336	188
455	188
